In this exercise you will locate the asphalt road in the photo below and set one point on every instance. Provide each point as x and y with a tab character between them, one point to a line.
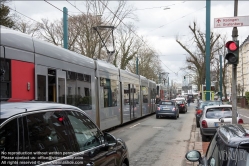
159	142
244	113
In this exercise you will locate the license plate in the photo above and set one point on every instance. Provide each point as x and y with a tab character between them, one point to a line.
218	124
165	108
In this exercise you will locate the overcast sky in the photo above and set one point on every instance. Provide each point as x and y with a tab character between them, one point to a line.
158	26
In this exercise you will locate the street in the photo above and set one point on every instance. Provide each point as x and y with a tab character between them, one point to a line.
244	113
158	142
163	141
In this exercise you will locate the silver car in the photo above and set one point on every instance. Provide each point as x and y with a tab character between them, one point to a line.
214	116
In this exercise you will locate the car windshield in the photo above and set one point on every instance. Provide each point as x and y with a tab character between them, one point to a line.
215	113
166	103
204	104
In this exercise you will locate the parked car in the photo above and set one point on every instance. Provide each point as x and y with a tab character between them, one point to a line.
167	108
228	147
182	106
61	134
215	116
200	107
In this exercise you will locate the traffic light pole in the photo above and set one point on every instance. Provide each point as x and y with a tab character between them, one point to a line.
234	71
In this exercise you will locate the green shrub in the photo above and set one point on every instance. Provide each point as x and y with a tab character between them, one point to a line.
247	97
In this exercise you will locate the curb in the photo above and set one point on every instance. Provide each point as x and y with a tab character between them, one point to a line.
195	143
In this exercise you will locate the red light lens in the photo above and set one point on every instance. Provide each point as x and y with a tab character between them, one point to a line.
232	46
61	119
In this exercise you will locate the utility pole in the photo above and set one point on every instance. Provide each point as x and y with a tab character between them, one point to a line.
221	77
137	64
65	28
207	59
234	71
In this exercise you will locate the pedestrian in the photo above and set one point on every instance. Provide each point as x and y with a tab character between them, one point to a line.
188	100
157	99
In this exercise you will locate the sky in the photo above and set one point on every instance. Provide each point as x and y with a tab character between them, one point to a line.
159	22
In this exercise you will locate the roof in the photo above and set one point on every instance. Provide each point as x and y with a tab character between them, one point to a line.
234	135
9	109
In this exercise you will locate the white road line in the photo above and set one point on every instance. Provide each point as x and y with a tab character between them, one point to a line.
157	127
134	125
244	116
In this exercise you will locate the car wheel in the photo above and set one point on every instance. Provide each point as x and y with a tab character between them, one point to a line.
175	117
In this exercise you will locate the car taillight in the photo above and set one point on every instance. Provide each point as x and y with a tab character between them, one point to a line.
199	112
204	124
240	121
173	109
182	105
158	108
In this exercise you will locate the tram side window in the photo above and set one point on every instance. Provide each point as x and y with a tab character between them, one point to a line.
145	94
109	92
5	79
79	90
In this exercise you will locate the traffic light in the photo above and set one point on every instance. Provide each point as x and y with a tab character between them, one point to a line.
232	55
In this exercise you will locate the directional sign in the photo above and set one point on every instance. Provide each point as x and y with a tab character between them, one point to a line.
231	22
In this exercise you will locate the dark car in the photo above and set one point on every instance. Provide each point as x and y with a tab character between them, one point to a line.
191	97
200	107
229	147
167	108
182	106
36	133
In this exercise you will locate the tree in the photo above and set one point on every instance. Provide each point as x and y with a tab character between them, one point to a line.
5	18
196	58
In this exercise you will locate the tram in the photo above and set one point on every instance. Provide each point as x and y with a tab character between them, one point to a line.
32	69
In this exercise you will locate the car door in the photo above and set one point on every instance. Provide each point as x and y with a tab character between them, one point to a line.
90	140
213	157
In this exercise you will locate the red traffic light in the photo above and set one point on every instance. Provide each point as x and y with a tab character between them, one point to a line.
231	45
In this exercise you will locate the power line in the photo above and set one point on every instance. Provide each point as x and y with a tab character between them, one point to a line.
56	7
23	15
130	29
75	7
157	7
176	19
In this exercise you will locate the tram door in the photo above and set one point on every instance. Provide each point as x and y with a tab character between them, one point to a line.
50	84
133	106
61	86
41	83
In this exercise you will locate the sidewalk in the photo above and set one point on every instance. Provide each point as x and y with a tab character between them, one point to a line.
195	143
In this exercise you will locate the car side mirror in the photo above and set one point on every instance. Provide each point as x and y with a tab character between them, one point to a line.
110	140
193	156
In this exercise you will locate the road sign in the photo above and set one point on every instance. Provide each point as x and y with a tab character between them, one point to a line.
226	22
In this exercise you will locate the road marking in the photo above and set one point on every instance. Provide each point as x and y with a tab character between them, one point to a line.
244	116
157	127
134	125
